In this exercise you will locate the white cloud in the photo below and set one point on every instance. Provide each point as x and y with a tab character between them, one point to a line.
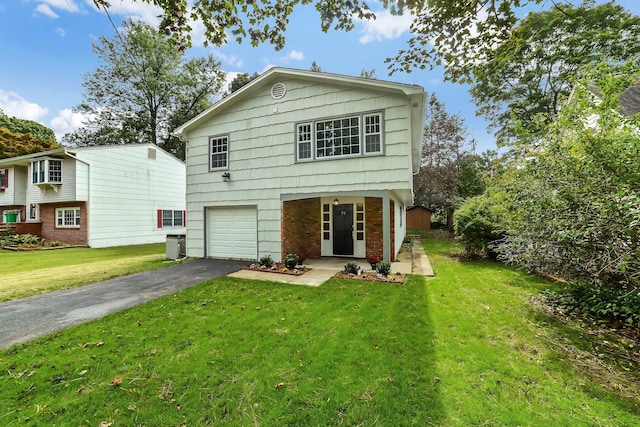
14	105
295	55
231	60
385	26
61	32
46	10
66	122
66	5
137	10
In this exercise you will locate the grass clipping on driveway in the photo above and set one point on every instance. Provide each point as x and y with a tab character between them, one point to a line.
462	349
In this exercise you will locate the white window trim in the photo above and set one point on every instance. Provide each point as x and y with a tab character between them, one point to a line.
173	221
361	135
76	216
46	163
218	168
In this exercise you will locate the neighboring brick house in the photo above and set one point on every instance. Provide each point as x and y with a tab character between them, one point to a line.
97	196
303	161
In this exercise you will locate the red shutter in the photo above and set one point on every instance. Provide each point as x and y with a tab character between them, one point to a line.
159	218
184	218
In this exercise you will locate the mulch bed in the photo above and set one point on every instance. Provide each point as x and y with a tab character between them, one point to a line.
279	269
372	277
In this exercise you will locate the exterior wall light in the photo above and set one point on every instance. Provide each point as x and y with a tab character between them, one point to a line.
226	177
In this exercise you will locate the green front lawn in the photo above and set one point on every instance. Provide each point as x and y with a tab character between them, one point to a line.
29	273
464	348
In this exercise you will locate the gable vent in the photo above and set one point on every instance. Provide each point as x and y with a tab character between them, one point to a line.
278	90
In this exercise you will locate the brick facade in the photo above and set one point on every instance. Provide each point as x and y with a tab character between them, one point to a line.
302	222
50	232
301	227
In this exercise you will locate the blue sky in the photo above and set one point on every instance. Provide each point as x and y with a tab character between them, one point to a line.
46	50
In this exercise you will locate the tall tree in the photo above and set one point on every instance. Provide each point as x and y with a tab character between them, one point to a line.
444	144
17	144
143	89
445	32
23	126
241	80
525	80
573	205
315	67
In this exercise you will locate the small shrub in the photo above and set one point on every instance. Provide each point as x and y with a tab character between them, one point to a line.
384	268
301	258
602	302
290	261
352	268
19	240
266	261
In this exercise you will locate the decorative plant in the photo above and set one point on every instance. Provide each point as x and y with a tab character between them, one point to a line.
373	260
384	268
301	258
266	261
352	268
290	261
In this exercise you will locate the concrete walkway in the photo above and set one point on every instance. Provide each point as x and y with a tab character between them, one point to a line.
32	317
323	269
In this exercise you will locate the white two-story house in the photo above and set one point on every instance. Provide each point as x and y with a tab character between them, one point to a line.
97	196
303	162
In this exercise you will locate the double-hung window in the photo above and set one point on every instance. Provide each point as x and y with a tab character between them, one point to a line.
171	218
4	179
219	152
68	217
46	171
347	136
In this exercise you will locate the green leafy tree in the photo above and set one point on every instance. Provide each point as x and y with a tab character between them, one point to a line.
23	126
315	67
445	32
18	144
241	80
444	143
525	80
143	89
574	204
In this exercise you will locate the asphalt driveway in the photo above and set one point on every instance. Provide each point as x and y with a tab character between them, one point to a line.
32	317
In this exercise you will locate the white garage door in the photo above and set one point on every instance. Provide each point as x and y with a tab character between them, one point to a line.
232	232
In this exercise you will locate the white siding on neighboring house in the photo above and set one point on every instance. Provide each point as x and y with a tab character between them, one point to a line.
126	189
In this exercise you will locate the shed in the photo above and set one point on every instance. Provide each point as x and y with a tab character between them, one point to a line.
418	217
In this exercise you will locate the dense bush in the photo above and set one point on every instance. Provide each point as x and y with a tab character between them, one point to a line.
478	224
573	202
18	240
609	303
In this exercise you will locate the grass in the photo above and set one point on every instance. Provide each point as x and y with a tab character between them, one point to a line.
465	348
28	273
